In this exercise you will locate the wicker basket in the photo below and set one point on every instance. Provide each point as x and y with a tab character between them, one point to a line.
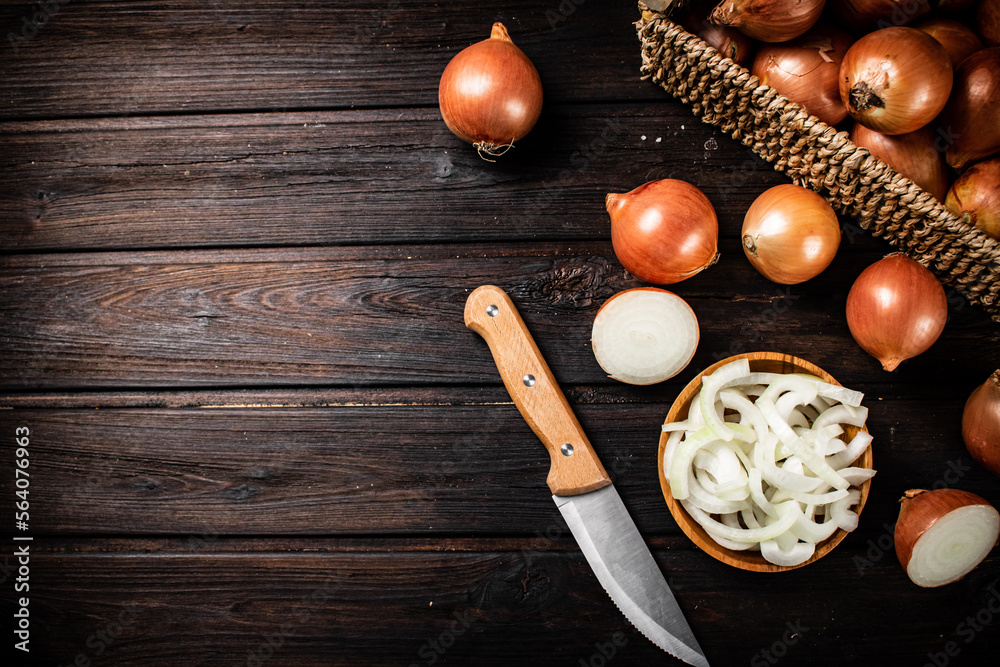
817	156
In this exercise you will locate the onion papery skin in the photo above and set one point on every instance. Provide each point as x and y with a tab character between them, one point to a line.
895	80
975	197
981	423
664	231
728	41
958	39
988	21
896	309
790	234
913	155
921	510
490	94
864	16
652	349
806	70
971	120
769	20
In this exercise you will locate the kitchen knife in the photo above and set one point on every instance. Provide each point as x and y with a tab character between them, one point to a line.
581	488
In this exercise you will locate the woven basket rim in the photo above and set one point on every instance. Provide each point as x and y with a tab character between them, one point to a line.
985	251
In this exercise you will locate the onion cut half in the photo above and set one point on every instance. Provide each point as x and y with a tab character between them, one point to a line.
644	335
764	464
942	535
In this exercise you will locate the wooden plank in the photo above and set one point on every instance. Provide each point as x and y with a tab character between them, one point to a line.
367	316
185	56
403	468
465	608
324	178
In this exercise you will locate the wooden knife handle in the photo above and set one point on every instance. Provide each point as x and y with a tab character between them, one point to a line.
575	467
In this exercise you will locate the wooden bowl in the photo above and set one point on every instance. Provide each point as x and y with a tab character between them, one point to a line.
768	362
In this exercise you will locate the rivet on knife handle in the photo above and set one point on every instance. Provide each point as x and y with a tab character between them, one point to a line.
575	467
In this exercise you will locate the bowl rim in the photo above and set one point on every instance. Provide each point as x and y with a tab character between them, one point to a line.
752	560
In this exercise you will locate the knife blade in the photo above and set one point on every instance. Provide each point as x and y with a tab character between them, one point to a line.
581	488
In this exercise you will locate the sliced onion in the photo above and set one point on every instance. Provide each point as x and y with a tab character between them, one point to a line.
799	553
942	535
644	335
751	478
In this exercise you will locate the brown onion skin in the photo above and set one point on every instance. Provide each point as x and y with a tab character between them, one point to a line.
864	16
502	73
958	39
913	155
953	6
975	197
790	234
920	509
769	20
971	118
651	224
981	423
988	21
799	71
728	41
895	80
896	309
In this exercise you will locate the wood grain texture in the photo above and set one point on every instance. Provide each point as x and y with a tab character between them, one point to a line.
368	316
461	608
236	240
405	467
330	178
184	56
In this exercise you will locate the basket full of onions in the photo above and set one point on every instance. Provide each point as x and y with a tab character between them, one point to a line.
887	115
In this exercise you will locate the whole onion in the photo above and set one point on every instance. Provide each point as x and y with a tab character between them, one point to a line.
975	197
863	16
914	155
490	94
988	21
981	423
958	39
971	119
806	70
769	20
663	231
953	6
896	309
895	80
790	234
728	41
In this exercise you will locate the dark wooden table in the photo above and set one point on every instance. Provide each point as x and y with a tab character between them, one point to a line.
237	240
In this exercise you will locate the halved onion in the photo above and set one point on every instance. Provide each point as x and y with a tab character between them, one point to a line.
942	535
644	335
